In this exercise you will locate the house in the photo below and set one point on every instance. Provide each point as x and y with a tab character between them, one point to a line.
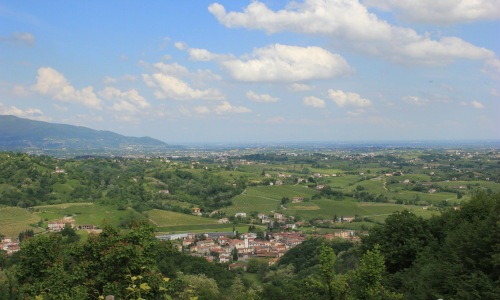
196	211
432	191
60	224
224	221
279	217
346	219
238	265
297	199
345	234
320	186
163	192
241	214
87	227
261	216
187	242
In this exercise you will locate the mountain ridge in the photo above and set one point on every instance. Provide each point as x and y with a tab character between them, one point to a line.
18	132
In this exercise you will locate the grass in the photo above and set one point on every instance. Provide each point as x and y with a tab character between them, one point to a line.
202	228
163	218
280	191
246	203
86	213
13	220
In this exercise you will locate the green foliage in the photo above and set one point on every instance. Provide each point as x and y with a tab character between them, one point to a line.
367	279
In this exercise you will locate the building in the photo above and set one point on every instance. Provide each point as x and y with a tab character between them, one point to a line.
60	224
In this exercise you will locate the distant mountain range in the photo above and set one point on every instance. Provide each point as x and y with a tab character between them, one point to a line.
17	133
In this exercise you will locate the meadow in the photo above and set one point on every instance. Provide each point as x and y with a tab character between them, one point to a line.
14	220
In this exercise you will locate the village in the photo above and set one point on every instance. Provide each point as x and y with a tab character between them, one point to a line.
236	249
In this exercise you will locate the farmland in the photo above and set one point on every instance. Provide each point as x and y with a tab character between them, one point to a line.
328	185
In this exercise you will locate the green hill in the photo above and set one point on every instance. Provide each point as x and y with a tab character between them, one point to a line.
16	133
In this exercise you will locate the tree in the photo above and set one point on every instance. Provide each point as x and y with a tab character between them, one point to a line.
335	284
367	281
401	238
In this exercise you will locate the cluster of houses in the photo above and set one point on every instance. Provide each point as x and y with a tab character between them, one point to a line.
58	225
10	245
222	246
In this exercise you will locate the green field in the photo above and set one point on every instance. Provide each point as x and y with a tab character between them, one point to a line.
13	220
86	213
202	228
163	218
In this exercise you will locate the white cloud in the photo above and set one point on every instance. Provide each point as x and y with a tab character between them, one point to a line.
415	100
20	91
226	107
109	80
494	92
352	26
170	87
202	110
312	101
166	57
29	113
261	98
129	101
201	54
300	87
20	39
53	84
180	45
282	63
348	99
477	104
441	12
492	68
356	113
60	108
172	69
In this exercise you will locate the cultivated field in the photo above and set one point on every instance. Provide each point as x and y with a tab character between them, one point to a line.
13	220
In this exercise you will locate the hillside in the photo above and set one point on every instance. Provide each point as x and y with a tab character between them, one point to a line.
16	133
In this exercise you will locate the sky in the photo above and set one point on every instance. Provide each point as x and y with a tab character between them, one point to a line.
256	71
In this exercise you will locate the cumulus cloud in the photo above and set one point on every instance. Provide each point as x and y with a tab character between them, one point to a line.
441	12
477	104
348	99
261	98
352	26
277	63
180	45
202	110
53	84
197	54
312	101
282	63
20	39
29	113
170	87
492	68
226	108
129	101
300	87
415	100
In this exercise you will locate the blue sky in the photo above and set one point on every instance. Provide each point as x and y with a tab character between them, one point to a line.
256	71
